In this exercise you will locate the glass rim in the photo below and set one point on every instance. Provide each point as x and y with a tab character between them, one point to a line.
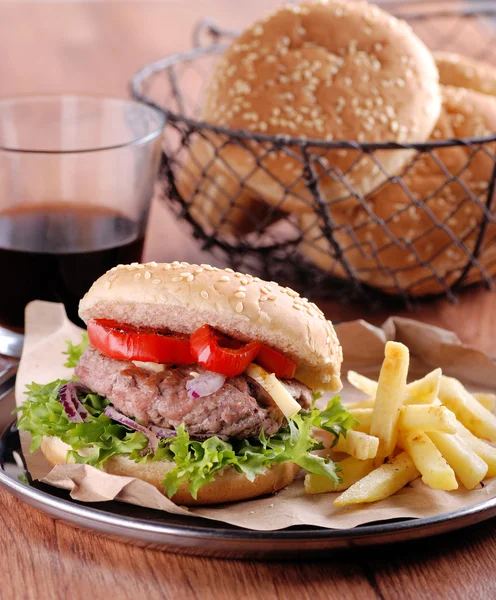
138	141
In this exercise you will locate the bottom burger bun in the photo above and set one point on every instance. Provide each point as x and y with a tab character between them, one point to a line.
417	234
228	486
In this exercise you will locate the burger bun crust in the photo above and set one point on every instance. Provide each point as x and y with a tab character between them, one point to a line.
448	212
464	72
329	70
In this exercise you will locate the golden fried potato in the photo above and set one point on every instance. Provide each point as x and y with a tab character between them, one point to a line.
381	482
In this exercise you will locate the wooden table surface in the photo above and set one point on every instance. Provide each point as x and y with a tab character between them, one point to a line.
94	47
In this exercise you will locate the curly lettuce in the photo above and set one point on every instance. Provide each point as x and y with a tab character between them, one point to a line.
199	462
75	351
43	415
196	462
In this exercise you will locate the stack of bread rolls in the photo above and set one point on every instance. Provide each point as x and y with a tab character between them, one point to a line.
327	71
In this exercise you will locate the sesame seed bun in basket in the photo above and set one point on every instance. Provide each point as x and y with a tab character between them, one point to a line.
460	71
182	297
216	199
417	235
228	485
325	71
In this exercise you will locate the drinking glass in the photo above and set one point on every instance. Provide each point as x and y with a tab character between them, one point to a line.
76	181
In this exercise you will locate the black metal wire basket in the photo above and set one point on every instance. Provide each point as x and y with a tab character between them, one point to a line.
429	244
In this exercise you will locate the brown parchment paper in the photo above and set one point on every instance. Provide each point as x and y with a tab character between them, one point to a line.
47	330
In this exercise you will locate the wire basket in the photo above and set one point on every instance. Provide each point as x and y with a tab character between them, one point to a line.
323	251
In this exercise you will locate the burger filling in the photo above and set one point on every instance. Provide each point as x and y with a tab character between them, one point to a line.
240	408
204	402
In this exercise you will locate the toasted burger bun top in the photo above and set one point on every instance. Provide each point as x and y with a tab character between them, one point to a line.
183	297
464	72
228	485
323	70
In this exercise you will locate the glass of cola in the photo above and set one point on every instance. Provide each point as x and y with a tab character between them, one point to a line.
76	181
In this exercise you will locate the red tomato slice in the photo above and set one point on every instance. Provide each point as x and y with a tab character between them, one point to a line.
214	351
125	342
275	362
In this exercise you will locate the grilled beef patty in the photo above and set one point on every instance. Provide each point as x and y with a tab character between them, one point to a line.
240	409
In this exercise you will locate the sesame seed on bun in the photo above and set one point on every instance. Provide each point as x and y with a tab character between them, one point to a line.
461	71
182	297
326	71
419	237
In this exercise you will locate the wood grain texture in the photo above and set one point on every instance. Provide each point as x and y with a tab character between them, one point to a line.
48	559
94	47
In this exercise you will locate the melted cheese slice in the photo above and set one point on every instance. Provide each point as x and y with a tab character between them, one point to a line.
149	366
276	390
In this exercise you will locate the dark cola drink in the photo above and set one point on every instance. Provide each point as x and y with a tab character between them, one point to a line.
55	252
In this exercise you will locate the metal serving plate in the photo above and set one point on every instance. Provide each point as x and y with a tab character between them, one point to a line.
151	528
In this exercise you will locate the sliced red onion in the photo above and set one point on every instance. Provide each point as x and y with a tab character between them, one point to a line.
79	387
205	384
163	433
74	409
115	415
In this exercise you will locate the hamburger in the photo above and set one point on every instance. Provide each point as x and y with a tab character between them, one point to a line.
198	380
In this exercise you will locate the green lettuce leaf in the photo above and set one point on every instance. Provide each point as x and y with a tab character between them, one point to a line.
74	351
294	443
42	414
196	462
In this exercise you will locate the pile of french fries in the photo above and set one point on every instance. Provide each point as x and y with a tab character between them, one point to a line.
431	428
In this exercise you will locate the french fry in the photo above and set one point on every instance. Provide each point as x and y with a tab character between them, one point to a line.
435	471
421	391
425	389
380	483
364	418
391	392
357	444
487	400
425	417
431	426
476	418
366	403
364	384
481	448
352	470
467	465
